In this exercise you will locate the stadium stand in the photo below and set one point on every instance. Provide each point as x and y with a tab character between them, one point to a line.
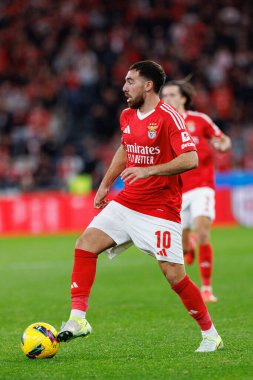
61	70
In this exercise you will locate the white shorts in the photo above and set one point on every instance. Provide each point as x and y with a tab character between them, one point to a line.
157	237
197	202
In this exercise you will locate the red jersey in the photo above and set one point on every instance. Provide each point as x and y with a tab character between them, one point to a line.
202	129
151	139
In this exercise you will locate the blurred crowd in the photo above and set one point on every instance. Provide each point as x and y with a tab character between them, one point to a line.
62	67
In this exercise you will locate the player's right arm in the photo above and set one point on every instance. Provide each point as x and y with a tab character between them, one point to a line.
118	164
184	162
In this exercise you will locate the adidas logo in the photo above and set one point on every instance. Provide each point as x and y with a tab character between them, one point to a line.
127	130
74	285
205	264
192	312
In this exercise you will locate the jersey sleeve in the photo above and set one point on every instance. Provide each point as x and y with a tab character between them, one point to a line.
181	141
122	121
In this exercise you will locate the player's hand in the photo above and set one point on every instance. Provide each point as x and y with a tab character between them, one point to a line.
100	200
131	175
218	144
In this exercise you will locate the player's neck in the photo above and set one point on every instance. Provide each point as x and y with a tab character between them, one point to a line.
181	110
149	104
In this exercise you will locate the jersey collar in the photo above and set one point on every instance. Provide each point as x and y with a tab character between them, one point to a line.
142	115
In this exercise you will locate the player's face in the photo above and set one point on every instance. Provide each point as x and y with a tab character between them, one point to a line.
171	95
135	89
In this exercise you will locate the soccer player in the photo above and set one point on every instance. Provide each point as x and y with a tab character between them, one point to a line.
155	149
198	206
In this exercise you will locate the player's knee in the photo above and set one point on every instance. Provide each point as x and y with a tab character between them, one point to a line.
186	248
173	272
83	242
79	242
172	279
203	236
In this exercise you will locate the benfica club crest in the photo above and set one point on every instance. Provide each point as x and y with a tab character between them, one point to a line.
152	130
190	126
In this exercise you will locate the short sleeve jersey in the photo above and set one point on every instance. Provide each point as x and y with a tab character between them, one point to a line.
202	129
152	139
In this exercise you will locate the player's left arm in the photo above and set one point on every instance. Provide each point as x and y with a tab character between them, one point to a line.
182	163
222	143
216	137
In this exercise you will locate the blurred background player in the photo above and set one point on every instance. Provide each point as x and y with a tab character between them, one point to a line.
198	206
146	212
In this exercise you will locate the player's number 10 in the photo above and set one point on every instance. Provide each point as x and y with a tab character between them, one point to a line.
163	239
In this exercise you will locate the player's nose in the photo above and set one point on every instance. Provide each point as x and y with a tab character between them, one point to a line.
124	88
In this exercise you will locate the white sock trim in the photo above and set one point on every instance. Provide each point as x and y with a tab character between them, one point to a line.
206	288
211	332
77	313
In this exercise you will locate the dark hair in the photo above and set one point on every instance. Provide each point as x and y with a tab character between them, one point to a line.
185	87
151	71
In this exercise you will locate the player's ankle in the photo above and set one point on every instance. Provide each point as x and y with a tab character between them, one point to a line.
78	314
210	332
206	288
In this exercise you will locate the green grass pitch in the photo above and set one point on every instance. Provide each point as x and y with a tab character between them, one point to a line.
141	329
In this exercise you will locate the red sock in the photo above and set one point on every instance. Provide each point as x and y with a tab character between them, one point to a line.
83	276
206	264
191	297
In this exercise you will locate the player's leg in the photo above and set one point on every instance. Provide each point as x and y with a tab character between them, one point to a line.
88	246
163	239
191	298
105	231
188	239
203	213
202	228
189	245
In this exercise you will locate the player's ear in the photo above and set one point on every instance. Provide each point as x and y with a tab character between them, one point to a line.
184	100
149	85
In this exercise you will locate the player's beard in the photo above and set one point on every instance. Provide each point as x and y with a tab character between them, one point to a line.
137	102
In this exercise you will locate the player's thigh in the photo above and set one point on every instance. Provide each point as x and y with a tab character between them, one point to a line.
111	220
202	226
158	237
108	228
94	240
186	239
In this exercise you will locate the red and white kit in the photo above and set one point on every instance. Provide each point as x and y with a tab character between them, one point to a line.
198	184
150	139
